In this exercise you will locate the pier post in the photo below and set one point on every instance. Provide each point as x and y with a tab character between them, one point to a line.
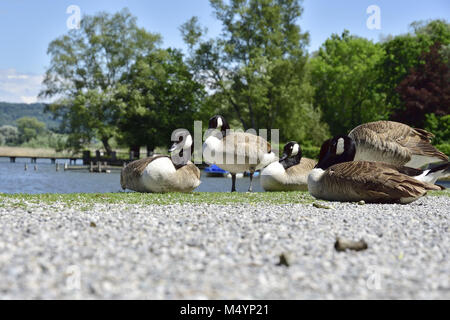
91	167
26	166
53	160
86	157
57	167
12	159
33	160
66	167
99	166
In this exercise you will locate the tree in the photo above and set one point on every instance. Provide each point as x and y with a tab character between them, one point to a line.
29	128
84	73
160	96
255	71
344	75
425	90
440	126
404	52
10	134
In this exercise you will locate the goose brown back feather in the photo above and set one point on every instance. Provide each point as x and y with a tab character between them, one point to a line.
373	182
394	141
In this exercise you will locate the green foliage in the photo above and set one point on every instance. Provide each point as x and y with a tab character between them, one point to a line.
444	147
86	67
2	140
47	140
161	96
10	112
29	128
344	75
256	69
440	126
10	135
311	152
404	52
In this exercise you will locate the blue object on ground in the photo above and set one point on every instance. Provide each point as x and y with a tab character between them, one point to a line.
215	170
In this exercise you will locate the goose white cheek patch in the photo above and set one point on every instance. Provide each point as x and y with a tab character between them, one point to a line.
340	147
188	143
295	150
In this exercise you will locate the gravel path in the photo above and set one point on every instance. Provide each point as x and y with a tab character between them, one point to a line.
208	251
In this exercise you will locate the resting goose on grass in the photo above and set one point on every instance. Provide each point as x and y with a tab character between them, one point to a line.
290	173
162	174
338	178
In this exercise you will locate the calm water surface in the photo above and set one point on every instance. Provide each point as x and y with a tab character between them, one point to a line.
14	179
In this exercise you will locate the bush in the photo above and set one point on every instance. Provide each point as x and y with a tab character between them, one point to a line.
10	134
440	127
311	152
445	148
2	140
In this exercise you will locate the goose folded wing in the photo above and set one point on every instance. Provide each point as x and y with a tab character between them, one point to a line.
378	180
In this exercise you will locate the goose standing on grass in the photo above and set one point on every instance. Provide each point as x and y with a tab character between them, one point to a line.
236	152
338	178
162	174
290	173
395	143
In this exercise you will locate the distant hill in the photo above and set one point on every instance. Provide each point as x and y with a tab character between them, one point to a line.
10	112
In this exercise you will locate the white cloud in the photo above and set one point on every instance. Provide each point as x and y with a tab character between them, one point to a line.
19	87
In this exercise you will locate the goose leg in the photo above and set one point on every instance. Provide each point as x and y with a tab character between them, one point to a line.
250	189
233	185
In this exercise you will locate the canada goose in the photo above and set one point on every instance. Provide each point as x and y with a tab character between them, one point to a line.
161	174
395	143
236	151
338	178
290	173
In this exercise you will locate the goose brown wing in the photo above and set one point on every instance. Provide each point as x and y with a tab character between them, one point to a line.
396	138
376	180
304	167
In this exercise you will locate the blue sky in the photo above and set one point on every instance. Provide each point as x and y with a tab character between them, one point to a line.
27	26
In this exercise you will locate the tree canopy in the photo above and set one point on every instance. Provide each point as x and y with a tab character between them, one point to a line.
86	67
256	70
345	78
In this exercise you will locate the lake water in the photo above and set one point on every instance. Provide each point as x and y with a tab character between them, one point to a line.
14	179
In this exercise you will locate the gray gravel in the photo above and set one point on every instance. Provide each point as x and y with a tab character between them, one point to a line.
208	251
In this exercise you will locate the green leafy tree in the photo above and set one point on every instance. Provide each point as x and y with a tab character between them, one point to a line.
344	75
405	52
29	128
10	134
86	67
440	126
256	70
161	96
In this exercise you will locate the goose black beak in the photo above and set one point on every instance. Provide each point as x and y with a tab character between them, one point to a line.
173	147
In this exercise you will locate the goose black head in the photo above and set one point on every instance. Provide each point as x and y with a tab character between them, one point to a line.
219	123
337	150
182	148
292	155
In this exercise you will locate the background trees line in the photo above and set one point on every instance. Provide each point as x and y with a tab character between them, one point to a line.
112	79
